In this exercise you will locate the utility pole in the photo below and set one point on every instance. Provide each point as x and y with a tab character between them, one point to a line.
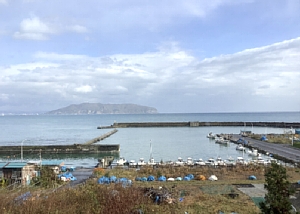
22	149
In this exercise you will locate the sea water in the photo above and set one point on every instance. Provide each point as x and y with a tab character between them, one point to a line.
162	144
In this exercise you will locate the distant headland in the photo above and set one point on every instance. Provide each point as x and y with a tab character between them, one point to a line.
99	108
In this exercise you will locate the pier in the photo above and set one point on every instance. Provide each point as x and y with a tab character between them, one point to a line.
201	124
284	152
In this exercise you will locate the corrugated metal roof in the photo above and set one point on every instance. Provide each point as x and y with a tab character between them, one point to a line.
15	165
2	164
51	163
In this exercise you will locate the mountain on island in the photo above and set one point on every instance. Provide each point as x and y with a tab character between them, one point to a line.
99	108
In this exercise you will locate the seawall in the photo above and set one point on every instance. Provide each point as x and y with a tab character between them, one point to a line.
202	124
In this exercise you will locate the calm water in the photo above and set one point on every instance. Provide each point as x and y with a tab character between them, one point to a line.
167	143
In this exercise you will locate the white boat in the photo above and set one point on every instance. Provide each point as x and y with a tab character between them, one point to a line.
200	162
253	152
121	161
241	160
151	162
179	162
141	162
230	161
210	162
221	140
260	160
220	162
190	161
211	135
132	163
240	147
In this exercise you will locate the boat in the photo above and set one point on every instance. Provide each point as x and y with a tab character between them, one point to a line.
221	140
121	161
211	135
220	162
190	161
132	163
179	162
151	162
241	160
260	160
253	152
210	162
141	162
199	162
240	147
230	161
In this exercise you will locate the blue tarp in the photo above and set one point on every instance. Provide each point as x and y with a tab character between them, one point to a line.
191	176
252	177
178	179
113	179
263	138
162	178
151	178
186	178
103	180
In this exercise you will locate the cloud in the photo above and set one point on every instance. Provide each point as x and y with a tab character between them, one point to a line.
77	29
170	76
84	89
34	29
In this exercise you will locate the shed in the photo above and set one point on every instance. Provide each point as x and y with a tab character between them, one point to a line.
2	165
13	171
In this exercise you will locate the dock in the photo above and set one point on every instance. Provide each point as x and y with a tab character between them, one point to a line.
284	152
200	124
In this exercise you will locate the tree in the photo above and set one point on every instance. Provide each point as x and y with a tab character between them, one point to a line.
279	189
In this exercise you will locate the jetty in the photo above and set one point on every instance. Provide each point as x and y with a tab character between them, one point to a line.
200	124
102	137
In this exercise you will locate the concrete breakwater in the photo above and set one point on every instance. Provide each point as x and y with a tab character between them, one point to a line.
60	149
80	149
102	137
201	124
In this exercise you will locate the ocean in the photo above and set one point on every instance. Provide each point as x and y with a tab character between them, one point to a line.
165	143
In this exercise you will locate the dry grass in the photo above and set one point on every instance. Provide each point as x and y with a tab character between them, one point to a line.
197	196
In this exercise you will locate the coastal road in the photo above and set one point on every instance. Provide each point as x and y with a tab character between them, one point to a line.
282	150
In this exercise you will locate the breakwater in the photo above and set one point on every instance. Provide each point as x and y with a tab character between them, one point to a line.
60	149
201	124
102	137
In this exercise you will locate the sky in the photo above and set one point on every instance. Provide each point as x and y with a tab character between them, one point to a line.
180	56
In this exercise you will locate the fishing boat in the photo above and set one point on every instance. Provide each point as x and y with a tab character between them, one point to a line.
141	162
210	162
211	135
241	160
230	161
240	147
222	141
179	162
190	161
252	152
132	163
220	162
200	162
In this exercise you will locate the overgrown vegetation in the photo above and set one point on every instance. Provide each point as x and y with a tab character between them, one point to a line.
189	196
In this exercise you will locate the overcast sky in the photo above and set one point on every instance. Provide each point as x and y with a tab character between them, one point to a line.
178	56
